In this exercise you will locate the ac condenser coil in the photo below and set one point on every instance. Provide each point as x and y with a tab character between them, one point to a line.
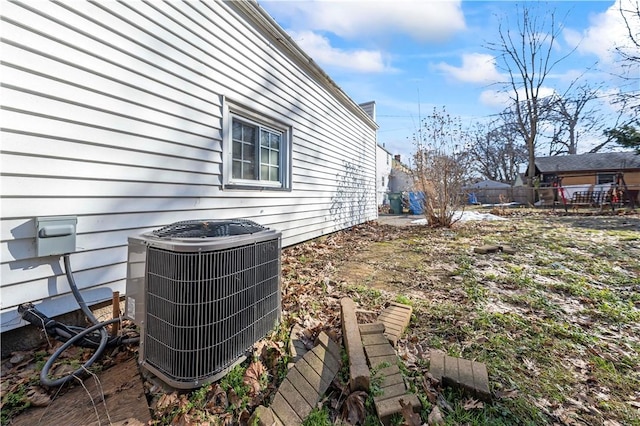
202	293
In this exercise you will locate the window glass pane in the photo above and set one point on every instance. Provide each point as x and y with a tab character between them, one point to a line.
274	158
247	171
274	175
237	150
248	152
237	170
275	141
264	156
248	133
264	172
606	178
264	138
237	130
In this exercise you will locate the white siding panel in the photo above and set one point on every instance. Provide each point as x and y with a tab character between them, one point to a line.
41	105
86	151
86	97
75	130
55	285
112	112
18	272
14	164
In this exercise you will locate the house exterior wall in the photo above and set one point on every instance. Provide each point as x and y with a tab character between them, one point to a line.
632	178
117	113
383	171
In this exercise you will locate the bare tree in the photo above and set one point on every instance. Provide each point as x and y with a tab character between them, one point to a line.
630	55
440	167
526	54
569	114
496	150
625	131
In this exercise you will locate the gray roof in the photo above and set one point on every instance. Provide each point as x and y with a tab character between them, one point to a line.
490	184
605	161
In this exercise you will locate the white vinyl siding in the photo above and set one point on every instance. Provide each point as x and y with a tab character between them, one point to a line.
116	112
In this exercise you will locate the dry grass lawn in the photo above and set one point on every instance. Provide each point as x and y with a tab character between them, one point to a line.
557	323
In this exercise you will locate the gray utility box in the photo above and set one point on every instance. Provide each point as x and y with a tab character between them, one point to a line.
55	235
202	293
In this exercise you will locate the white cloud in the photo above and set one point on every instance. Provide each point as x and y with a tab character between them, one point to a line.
607	31
357	19
499	99
320	49
475	68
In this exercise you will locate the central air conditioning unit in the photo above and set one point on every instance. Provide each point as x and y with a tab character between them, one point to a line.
202	293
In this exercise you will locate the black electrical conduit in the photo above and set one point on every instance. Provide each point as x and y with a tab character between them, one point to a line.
72	335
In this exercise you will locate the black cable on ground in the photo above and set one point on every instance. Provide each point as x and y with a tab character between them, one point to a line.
72	335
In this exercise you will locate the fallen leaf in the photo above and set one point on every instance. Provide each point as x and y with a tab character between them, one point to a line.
435	417
270	354
353	410
471	404
233	398
217	402
410	418
252	377
166	401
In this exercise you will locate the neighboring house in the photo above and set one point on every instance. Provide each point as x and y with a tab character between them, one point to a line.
401	179
589	169
384	160
134	115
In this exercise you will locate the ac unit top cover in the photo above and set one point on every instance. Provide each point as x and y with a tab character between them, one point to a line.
208	234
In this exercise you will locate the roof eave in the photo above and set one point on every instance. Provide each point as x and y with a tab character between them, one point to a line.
260	18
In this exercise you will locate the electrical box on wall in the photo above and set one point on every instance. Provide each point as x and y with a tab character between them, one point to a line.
55	235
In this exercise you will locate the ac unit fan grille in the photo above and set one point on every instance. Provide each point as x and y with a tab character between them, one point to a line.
205	309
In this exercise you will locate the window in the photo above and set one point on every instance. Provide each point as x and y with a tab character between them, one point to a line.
382	180
257	151
603	178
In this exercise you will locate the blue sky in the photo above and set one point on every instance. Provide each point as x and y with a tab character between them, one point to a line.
410	56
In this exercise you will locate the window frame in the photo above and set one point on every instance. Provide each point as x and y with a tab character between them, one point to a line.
607	175
233	111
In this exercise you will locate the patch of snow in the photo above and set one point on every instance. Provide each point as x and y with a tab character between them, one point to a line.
465	216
